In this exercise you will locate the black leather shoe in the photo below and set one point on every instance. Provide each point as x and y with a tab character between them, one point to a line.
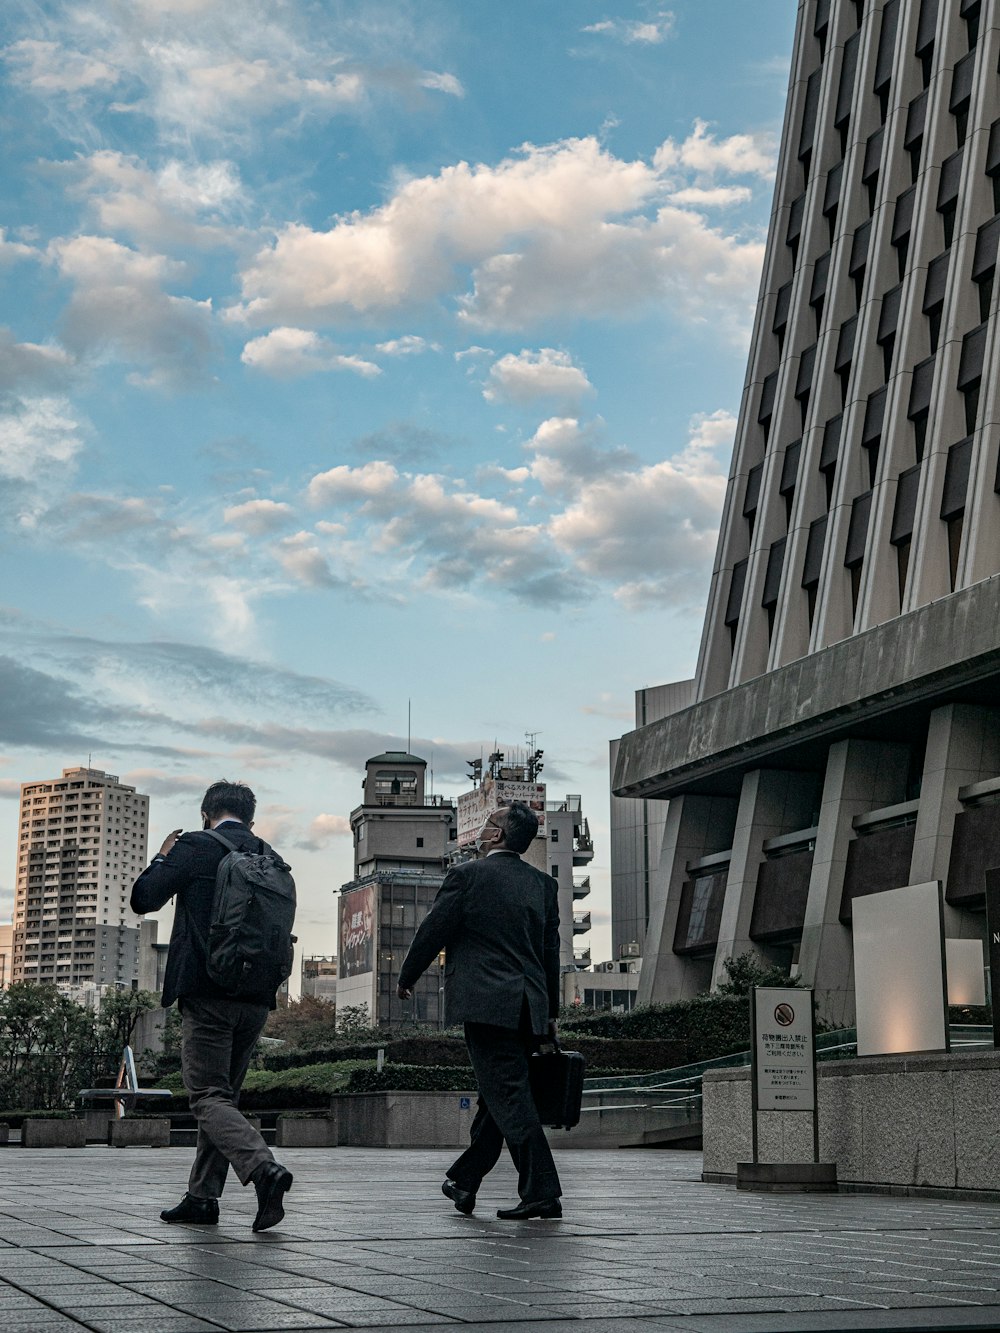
272	1181
524	1211
464	1200
197	1212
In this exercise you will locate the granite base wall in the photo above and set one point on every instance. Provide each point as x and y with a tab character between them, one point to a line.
906	1121
404	1119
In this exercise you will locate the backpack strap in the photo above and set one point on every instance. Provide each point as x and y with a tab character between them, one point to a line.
231	846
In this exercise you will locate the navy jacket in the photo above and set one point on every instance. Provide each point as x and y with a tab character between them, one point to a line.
188	873
498	919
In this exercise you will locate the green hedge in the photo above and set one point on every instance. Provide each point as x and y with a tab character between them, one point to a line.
413	1078
702	1029
633	1056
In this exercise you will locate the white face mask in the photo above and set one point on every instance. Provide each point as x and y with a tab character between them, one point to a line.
486	838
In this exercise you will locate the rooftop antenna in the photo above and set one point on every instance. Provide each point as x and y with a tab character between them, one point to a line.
408	714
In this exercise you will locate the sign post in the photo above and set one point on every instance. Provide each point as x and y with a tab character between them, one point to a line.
783	1078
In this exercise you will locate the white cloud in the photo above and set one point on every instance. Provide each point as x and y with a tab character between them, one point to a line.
653	531
410	344
650	32
343	483
528	376
14	250
37	435
701	152
32	366
719	196
119	307
325	827
204	68
568	455
180	204
564	230
257	517
47	67
302	560
287	353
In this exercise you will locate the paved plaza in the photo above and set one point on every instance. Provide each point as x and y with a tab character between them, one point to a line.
369	1241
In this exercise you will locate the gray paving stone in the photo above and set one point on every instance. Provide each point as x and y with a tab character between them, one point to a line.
369	1242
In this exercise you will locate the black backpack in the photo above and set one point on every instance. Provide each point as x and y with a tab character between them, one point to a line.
250	942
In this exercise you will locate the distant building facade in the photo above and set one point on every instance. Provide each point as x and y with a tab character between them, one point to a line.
319	978
82	841
637	832
563	845
844	732
402	839
6	955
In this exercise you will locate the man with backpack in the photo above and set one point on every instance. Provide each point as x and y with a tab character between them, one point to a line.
230	950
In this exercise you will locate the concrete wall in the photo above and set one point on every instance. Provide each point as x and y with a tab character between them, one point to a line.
404	1119
905	1122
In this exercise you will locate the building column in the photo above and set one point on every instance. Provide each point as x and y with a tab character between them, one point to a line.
696	826
963	746
771	802
860	776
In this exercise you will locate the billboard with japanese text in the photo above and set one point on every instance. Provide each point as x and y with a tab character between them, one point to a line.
357	932
475	806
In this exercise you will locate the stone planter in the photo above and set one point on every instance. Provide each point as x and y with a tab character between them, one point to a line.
152	1133
53	1134
98	1120
901	1123
405	1119
307	1132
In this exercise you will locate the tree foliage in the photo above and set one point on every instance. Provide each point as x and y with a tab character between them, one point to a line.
51	1047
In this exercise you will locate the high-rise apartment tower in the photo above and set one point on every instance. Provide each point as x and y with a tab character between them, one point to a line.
81	844
845	732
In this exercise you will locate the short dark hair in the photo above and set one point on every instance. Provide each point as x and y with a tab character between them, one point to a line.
520	824
229	798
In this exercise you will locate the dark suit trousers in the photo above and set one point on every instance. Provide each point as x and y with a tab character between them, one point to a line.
217	1041
506	1111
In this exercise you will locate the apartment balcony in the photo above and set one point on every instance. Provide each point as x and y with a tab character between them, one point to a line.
581	957
583	844
581	923
581	887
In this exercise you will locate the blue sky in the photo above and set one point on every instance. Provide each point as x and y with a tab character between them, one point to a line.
357	353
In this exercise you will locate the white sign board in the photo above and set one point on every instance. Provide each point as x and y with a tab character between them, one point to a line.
966	971
899	962
784	1064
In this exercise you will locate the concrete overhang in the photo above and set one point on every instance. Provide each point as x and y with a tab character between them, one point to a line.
879	684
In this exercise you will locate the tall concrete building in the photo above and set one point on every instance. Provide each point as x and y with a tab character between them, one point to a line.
81	843
844	736
402	838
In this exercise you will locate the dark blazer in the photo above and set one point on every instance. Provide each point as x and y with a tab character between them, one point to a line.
498	918
188	872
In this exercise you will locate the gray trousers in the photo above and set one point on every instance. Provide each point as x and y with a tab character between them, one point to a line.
217	1041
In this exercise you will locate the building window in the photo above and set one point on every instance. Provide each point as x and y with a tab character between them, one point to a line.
554	835
554	872
420	842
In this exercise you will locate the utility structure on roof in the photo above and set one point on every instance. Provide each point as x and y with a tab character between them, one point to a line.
844	736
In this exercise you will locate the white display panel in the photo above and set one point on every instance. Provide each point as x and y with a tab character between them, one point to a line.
899	977
784	1060
966	973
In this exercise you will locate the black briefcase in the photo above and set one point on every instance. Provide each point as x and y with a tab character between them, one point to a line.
557	1086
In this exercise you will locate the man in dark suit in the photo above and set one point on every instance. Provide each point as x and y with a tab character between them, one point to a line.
218	1033
498	918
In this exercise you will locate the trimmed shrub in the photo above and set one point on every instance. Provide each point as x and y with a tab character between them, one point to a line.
413	1078
701	1029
